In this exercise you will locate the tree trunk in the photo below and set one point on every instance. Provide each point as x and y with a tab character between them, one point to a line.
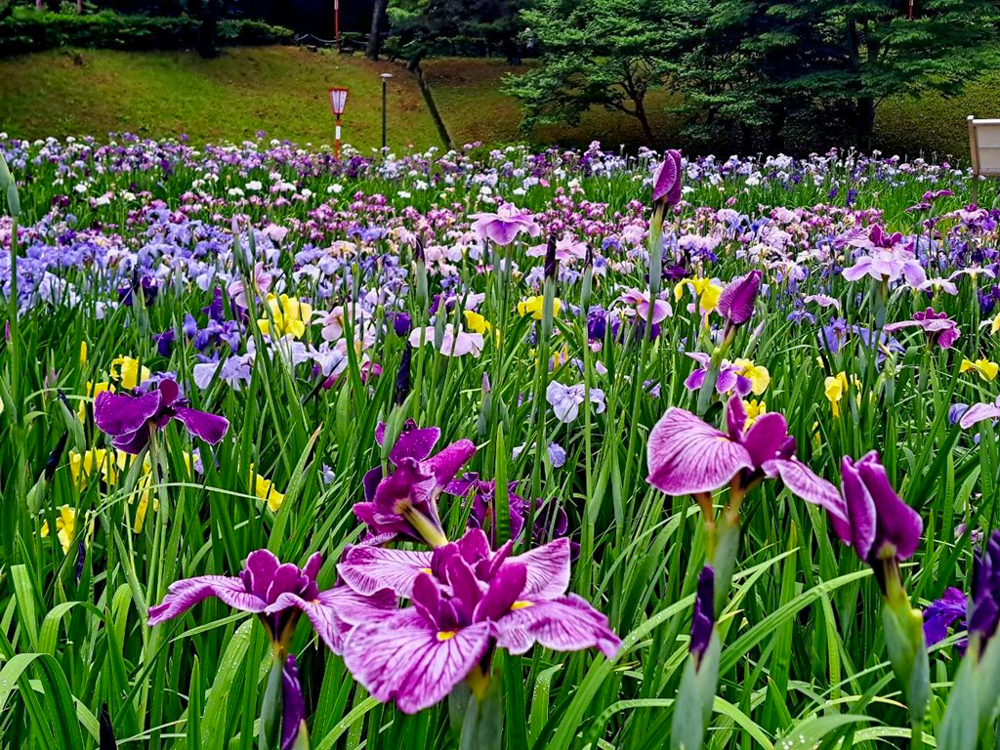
866	123
414	67
375	36
208	29
640	113
511	49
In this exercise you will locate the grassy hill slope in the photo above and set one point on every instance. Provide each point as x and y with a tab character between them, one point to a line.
283	91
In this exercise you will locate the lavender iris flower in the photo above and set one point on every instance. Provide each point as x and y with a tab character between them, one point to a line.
130	419
472	601
729	378
504	225
566	400
977	413
278	593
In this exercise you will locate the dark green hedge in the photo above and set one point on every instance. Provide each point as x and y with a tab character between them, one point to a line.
27	30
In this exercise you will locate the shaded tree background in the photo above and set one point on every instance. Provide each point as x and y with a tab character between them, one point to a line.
743	74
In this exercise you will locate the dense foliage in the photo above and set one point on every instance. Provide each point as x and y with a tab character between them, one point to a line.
29	30
754	74
211	357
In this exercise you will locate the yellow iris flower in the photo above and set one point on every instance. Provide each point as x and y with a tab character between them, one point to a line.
289	316
65	527
264	489
836	386
704	291
127	372
533	307
986	369
755	410
476	323
758	375
83	352
112	465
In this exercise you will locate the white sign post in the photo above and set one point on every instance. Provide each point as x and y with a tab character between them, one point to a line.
338	103
984	145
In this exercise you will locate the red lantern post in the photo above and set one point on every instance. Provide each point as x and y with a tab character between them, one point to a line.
338	102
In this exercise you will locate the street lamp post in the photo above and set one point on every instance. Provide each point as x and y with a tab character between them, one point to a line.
338	103
385	79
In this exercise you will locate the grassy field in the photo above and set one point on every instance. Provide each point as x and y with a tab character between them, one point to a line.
282	90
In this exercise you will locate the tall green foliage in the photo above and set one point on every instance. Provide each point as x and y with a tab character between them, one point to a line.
754	73
610	53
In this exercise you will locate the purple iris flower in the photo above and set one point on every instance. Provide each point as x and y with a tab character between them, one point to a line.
867	513
550	520
703	619
130	419
688	457
405	502
597	323
980	612
736	301
278	594
149	291
165	342
215	310
401	324
293	709
984	614
472	601
941	613
940	330
729	379
667	180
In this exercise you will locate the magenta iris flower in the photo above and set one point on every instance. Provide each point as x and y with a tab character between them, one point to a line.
667	179
278	593
737	300
867	513
939	329
405	502
129	419
686	456
472	601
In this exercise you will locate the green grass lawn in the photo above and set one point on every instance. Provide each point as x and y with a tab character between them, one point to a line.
283	90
